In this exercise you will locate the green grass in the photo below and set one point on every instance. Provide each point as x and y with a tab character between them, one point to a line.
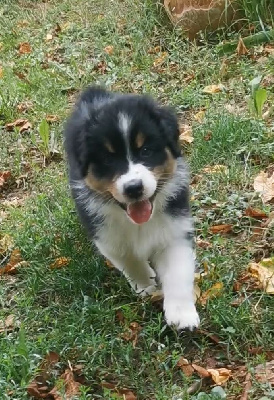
73	310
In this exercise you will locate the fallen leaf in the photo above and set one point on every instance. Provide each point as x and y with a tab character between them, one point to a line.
17	123
60	262
126	394
109	50
264	184
264	273
14	263
202	372
185	366
214	291
185	134
203	244
241	48
4	177
72	387
247	387
109	264
8	324
196	292
160	59
132	333
6	244
52	118
1	72
120	316
49	37
223	228
212	89
215	169
220	375
24	48
264	373
24	106
199	116
255	213
158	295
26	127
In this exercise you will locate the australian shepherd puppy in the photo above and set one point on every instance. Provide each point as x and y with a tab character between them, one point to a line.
131	189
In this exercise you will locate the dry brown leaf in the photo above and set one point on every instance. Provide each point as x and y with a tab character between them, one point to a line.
52	118
214	338
202	372
160	59
223	228
109	264
120	316
264	373
24	48
220	375
185	134
132	333
215	169
72	387
263	272
214	291
60	262
109	50
185	366
26	127
241	48
247	387
24	106
264	184
126	394
14	263
17	123
204	244
4	177
255	213
158	295
212	89
8	324
199	116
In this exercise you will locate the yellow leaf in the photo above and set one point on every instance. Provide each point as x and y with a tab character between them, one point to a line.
6	244
196	292
1	72
160	60
214	291
241	48
215	169
264	185
60	262
185	134
212	89
200	116
264	273
109	50
49	37
220	375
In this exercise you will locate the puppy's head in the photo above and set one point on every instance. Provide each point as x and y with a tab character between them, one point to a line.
126	147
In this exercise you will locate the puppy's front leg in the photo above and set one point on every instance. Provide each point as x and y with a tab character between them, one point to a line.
175	266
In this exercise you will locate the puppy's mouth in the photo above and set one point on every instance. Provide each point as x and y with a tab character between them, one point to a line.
140	211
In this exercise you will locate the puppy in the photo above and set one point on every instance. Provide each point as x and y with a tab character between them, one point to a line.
130	186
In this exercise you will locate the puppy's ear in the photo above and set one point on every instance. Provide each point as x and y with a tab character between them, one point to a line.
170	128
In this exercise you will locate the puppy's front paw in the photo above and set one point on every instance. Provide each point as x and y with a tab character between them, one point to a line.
181	315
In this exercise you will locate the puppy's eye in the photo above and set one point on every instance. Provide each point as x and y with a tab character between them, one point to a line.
145	152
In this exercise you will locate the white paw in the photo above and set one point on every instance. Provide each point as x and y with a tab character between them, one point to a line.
143	292
181	315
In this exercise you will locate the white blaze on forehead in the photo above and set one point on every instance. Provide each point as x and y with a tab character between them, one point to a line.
124	122
136	171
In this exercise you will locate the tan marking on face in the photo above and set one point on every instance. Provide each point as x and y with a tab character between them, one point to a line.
109	147
104	186
140	139
165	171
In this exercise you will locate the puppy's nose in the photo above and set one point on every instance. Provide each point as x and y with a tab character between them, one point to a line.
134	188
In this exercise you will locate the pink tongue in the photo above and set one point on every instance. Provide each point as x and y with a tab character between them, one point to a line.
140	211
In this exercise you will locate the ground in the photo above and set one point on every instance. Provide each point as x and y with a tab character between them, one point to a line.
85	310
